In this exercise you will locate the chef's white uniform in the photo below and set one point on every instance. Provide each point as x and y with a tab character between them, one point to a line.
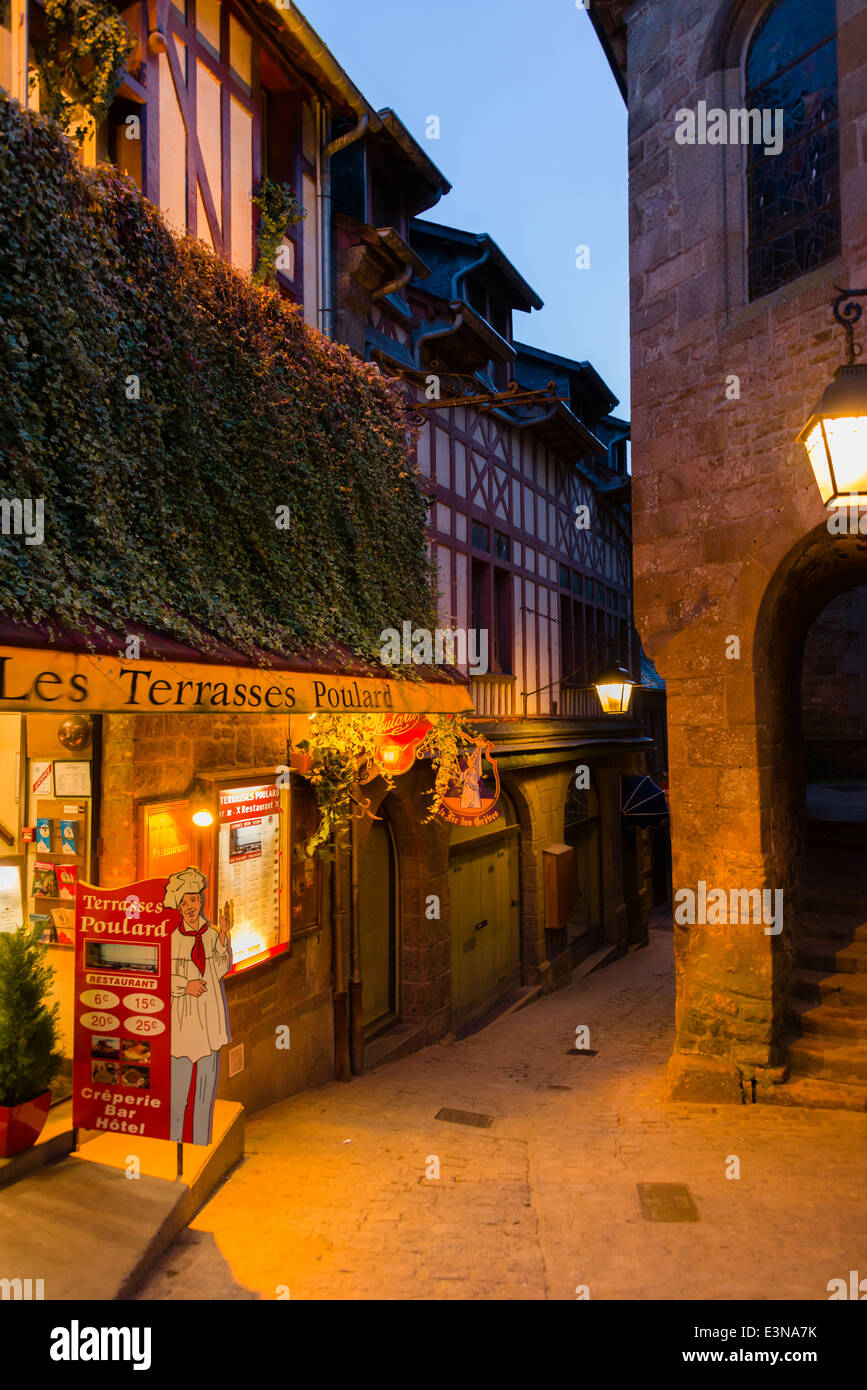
200	1027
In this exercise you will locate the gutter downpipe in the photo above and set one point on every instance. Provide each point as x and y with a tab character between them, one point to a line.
340	82
326	307
438	333
466	270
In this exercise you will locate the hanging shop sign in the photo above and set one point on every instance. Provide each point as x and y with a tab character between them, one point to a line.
474	801
150	1008
396	738
36	679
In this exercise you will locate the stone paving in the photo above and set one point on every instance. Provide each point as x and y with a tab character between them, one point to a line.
333	1202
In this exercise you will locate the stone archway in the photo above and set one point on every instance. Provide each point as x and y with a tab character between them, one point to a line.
738	807
813	573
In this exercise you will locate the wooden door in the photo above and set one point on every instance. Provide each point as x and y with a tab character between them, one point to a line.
485	918
377	926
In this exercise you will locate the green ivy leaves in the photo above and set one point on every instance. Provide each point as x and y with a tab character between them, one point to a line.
161	509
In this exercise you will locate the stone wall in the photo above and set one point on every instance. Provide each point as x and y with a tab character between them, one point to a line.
726	508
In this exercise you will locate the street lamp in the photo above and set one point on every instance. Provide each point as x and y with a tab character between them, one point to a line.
835	436
614	686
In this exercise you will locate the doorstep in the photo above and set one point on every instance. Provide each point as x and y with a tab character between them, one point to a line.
92	1233
396	1042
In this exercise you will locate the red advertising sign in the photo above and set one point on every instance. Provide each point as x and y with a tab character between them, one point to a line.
244	805
123	1009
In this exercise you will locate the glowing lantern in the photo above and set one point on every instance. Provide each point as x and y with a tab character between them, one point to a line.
614	687
835	436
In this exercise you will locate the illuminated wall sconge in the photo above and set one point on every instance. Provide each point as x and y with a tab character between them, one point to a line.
835	436
203	817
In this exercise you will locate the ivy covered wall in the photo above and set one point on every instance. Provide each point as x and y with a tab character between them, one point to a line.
165	408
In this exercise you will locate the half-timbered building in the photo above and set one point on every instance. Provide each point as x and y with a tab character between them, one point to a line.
525	467
526	470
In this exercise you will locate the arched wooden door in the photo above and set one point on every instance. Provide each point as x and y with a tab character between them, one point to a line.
377	920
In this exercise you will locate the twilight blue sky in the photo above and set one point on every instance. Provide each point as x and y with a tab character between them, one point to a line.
533	141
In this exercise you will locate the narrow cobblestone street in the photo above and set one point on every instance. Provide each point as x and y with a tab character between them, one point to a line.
332	1200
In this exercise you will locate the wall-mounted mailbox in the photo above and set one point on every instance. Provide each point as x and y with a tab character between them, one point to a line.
559	875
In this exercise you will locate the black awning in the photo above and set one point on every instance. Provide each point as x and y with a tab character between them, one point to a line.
642	802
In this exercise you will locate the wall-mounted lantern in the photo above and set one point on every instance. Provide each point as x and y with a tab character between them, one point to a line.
614	686
835	436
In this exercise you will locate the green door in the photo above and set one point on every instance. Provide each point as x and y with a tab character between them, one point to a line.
376	922
485	920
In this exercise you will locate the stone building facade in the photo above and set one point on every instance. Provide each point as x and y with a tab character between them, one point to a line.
731	349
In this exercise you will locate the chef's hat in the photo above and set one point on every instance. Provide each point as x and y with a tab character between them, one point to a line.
187	881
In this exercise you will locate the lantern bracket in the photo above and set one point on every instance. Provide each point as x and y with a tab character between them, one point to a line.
847	313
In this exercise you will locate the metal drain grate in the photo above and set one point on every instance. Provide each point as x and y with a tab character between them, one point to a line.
667	1201
465	1117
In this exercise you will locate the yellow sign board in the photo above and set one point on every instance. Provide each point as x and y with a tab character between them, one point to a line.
45	679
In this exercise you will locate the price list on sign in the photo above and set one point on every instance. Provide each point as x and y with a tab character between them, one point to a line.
122	1038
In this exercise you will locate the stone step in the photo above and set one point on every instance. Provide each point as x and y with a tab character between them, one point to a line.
822	927
838	989
828	1020
815	1094
845	903
817	954
860	933
837	1061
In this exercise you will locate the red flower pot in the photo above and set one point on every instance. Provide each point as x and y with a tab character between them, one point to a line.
21	1125
302	763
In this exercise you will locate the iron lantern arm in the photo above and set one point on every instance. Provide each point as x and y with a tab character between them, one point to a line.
564	680
847	312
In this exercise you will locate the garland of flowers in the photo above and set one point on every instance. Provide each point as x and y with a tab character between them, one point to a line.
343	749
279	209
81	60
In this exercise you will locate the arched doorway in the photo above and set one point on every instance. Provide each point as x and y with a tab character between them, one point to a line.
827	1003
484	896
811	685
377	928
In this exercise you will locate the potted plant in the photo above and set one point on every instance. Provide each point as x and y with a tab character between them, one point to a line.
29	1060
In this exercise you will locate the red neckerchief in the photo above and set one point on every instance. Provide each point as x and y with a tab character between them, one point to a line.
198	956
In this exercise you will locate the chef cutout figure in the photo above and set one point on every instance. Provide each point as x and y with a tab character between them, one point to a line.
201	957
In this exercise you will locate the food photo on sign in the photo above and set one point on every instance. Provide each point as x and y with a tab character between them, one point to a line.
150	1007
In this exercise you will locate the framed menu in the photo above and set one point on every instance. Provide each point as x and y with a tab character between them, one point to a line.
251	830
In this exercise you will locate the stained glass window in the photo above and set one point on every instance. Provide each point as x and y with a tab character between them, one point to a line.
794	196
